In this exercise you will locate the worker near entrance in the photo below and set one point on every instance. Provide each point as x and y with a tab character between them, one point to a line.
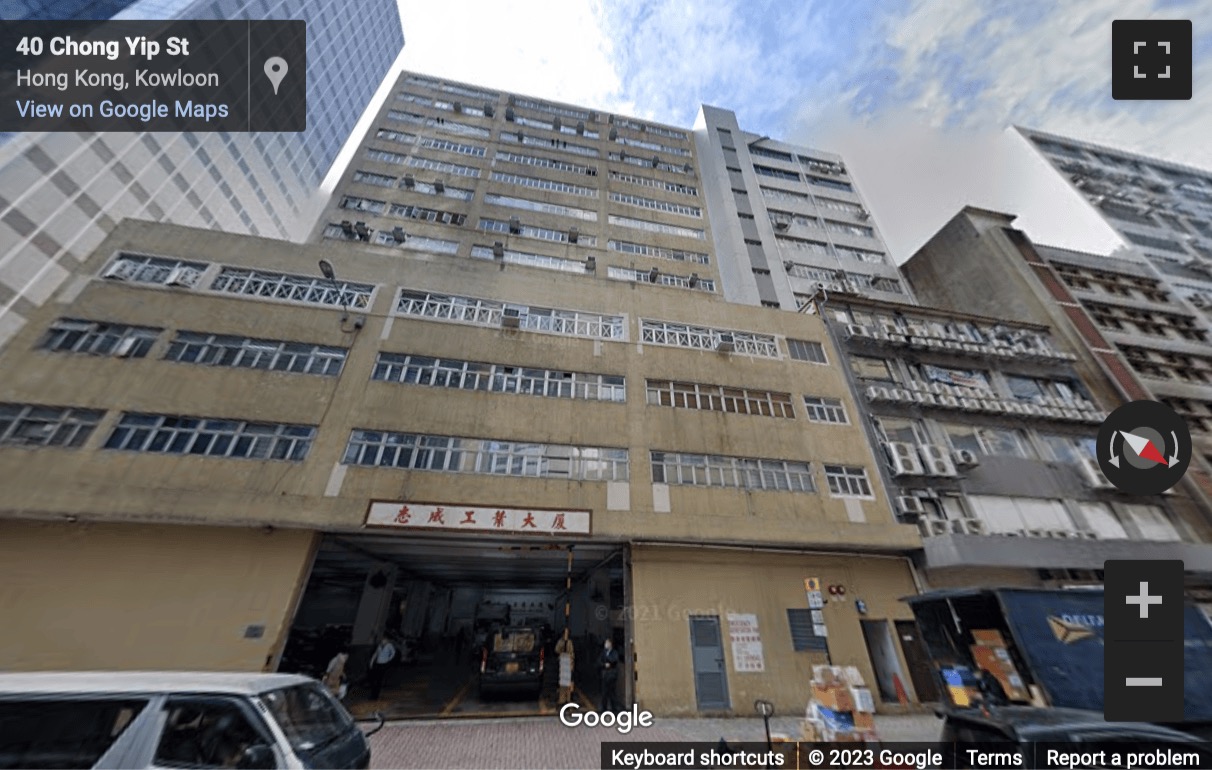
609	665
384	654
334	675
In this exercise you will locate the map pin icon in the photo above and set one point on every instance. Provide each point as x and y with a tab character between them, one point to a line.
275	70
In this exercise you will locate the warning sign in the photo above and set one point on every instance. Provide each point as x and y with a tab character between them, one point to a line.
812	584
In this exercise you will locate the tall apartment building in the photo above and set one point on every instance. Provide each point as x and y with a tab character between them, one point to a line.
63	192
1130	339
788	219
504	373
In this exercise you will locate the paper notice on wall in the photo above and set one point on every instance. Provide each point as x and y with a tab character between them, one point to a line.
819	629
816	600
746	643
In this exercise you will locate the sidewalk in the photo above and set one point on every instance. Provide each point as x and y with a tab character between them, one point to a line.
543	742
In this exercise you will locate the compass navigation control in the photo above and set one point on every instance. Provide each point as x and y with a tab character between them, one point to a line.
1144	448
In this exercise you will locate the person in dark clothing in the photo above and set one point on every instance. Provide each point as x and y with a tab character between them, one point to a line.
608	663
992	692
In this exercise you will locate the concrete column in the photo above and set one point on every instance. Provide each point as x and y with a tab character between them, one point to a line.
375	603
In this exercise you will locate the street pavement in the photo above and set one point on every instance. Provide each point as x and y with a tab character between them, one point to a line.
543	742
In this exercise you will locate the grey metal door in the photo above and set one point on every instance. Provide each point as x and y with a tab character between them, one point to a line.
707	655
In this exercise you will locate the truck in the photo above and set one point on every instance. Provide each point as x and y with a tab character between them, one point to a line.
1045	647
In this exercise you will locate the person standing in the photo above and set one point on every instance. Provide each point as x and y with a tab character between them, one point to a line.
609	665
383	655
334	675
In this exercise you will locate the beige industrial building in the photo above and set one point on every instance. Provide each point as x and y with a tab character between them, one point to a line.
515	380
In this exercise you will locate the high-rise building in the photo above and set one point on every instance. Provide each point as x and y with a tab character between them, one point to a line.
63	192
501	382
66	10
788	220
1131	341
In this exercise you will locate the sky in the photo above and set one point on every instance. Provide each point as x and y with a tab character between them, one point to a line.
916	95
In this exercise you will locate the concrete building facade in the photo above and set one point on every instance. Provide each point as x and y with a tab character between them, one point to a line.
63	192
518	384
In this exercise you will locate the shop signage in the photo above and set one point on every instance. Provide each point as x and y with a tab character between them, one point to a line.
746	643
471	518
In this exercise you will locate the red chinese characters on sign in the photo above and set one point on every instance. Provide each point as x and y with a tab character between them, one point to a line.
558	521
403	515
528	521
469	517
437	516
498	519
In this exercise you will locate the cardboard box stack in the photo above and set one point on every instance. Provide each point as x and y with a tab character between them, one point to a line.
992	654
841	707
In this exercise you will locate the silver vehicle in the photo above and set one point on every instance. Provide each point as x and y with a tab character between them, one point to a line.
174	719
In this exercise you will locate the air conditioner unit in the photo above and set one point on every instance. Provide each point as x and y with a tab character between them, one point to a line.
580	128
439	186
511	318
1036	532
993	407
876	393
949	401
1072	414
900	394
965	458
910	506
121	270
1033	410
1014	407
926	399
398	234
916	330
932	527
1094	474
968	526
970	404
515	225
591	263
1087	535
781	224
410	180
183	276
498	250
903	458
725	343
488	110
510	115
936	460
952	345
556	125
863	214
857	330
890	328
574	234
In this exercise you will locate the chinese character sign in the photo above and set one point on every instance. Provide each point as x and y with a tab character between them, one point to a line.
451	516
746	643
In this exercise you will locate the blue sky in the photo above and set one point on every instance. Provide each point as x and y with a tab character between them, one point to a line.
902	89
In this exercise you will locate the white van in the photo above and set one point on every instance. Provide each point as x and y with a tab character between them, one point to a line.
154	719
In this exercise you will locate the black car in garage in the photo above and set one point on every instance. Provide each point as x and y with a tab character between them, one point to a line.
511	662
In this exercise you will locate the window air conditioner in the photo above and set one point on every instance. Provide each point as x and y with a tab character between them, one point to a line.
968	526
121	270
410	180
857	330
511	318
591	263
498	250
950	401
781	224
488	110
936	460
875	393
398	234
580	128
910	507
903	458
863	214
965	458
725	343
614	133
183	276
515	225
510	115
573	234
439	186
693	281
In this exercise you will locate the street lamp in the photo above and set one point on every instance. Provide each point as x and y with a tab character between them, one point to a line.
331	275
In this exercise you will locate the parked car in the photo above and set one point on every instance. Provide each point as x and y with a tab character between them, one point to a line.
512	661
1023	725
159	718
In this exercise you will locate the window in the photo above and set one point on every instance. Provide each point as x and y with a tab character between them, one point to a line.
415	242
416	161
805	350
574	266
540	206
205	732
853	209
656	227
1069	449
784	195
832	184
646	250
156	270
847	481
497	378
249	353
560	165
531	140
822	409
776	173
487	456
543	184
719	398
648	163
725	138
660	184
801	244
355	203
703	338
962	378
988	440
1019	514
1101	520
644	144
662	279
1154	242
383	156
734	472
34	425
656	205
862	255
426	188
391	135
483	312
137	432
530	231
70	335
51	732
762	152
1152	522
294	288
871	369
427	215
378	180
551	109
449	146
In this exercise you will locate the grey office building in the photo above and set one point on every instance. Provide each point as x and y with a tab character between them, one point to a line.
61	194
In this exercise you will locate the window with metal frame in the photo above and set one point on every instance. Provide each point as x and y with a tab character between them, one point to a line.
73	335
735	472
33	425
457	374
252	353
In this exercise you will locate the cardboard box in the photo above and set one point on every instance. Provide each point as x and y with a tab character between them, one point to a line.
810	731
864	722
988	636
834	697
863	700
853	676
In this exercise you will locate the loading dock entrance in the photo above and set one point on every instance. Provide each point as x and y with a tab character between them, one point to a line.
441	599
